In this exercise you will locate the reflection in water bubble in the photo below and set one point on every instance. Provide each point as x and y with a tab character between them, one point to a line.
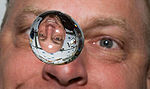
51	34
55	38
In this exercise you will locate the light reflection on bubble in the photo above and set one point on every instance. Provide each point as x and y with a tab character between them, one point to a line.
56	38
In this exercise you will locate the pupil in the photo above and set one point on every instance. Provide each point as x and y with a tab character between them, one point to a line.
42	37
106	43
58	38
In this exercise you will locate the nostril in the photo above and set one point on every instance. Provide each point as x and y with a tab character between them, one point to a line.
75	80
66	75
52	77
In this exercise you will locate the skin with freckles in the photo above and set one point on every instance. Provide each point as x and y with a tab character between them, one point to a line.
115	53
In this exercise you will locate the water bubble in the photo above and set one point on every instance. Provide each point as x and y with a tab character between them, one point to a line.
55	38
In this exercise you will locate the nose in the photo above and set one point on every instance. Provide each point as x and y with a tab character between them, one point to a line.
72	73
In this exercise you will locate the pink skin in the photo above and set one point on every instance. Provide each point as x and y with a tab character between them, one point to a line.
48	34
97	67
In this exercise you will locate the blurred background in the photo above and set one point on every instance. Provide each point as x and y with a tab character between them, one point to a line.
2	9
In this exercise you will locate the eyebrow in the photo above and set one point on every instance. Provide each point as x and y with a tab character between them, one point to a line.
21	19
91	23
95	21
106	21
33	10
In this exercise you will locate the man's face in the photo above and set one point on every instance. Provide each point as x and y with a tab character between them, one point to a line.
114	54
51	34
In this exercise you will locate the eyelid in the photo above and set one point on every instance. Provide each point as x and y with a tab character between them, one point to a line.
60	41
23	22
118	42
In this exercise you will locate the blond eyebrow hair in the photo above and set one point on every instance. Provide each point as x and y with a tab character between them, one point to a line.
92	22
33	10
106	21
101	20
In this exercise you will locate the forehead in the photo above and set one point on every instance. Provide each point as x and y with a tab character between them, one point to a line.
83	10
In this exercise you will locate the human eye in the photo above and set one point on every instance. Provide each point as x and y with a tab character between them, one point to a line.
42	37
21	38
57	39
108	43
105	47
21	31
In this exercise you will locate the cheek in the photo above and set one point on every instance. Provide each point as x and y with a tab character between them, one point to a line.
109	77
106	74
20	66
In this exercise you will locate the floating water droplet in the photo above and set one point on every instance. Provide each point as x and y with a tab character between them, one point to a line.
55	35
